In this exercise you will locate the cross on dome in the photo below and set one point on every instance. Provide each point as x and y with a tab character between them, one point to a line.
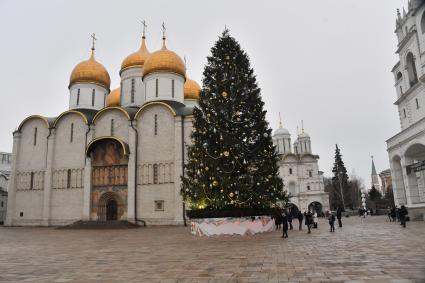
93	36
144	27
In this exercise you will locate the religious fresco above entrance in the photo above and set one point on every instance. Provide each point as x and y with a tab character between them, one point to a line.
109	181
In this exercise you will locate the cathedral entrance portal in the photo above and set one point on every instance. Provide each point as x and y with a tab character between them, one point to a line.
316	206
111	210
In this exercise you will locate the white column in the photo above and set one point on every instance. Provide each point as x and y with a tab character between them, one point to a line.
87	190
47	193
178	200
131	183
410	183
87	181
11	187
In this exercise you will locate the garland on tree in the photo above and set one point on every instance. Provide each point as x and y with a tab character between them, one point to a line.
232	159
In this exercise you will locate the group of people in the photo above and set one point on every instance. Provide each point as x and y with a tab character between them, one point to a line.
398	214
283	219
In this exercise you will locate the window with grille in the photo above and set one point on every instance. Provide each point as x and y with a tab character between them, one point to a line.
310	174
156	124
290	171
308	188
159	205
155	173
132	90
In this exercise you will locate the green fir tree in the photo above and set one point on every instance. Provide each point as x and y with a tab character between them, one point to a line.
232	159
340	181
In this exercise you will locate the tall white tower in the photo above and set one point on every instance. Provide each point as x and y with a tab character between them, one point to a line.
282	139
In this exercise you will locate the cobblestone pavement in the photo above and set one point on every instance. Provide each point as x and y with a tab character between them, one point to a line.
373	251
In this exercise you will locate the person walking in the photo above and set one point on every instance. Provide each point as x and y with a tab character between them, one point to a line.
284	225
315	218
290	220
332	222
393	214
403	215
300	219
309	221
278	220
339	216
389	213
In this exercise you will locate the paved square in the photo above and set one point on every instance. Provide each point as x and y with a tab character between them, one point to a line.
373	251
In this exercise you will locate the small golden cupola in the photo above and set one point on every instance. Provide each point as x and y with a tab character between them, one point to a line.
136	59
114	98
191	89
90	71
164	61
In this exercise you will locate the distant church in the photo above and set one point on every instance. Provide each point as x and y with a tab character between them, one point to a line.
114	155
299	170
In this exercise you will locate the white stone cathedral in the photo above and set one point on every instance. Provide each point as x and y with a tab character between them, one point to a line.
113	155
406	149
299	170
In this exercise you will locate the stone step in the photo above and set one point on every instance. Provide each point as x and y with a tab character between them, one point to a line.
100	225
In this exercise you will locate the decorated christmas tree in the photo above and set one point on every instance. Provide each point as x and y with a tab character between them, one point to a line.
232	160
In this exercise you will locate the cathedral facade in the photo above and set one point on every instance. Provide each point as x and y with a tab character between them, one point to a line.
299	170
406	149
113	155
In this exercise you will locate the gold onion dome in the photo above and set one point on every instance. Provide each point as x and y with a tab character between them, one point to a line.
114	98
164	60
90	71
136	59
191	89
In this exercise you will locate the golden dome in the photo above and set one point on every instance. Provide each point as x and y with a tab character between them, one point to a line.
164	60
114	98
191	89
136	59
90	71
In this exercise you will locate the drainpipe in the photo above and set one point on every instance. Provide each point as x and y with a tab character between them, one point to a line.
184	204
135	171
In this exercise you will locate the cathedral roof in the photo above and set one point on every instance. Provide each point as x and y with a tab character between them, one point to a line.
191	89
136	59
165	61
90	71
114	98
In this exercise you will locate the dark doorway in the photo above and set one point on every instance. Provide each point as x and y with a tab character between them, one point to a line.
112	210
316	207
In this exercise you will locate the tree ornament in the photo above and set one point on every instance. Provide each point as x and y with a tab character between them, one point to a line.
226	153
215	183
231	194
224	94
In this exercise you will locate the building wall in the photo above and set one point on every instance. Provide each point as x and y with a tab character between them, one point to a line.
408	146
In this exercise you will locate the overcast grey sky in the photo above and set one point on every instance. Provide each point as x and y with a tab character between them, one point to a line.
327	62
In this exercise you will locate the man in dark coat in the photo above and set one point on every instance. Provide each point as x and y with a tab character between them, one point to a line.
403	215
339	216
290	220
331	222
309	220
300	219
284	224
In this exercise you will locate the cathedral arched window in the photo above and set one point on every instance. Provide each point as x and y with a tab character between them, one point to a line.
411	69
156	124
112	127
172	88
399	76
78	96
310	173
35	136
308	188
156	87
423	22
68	179
92	97
32	181
290	171
132	90
71	137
